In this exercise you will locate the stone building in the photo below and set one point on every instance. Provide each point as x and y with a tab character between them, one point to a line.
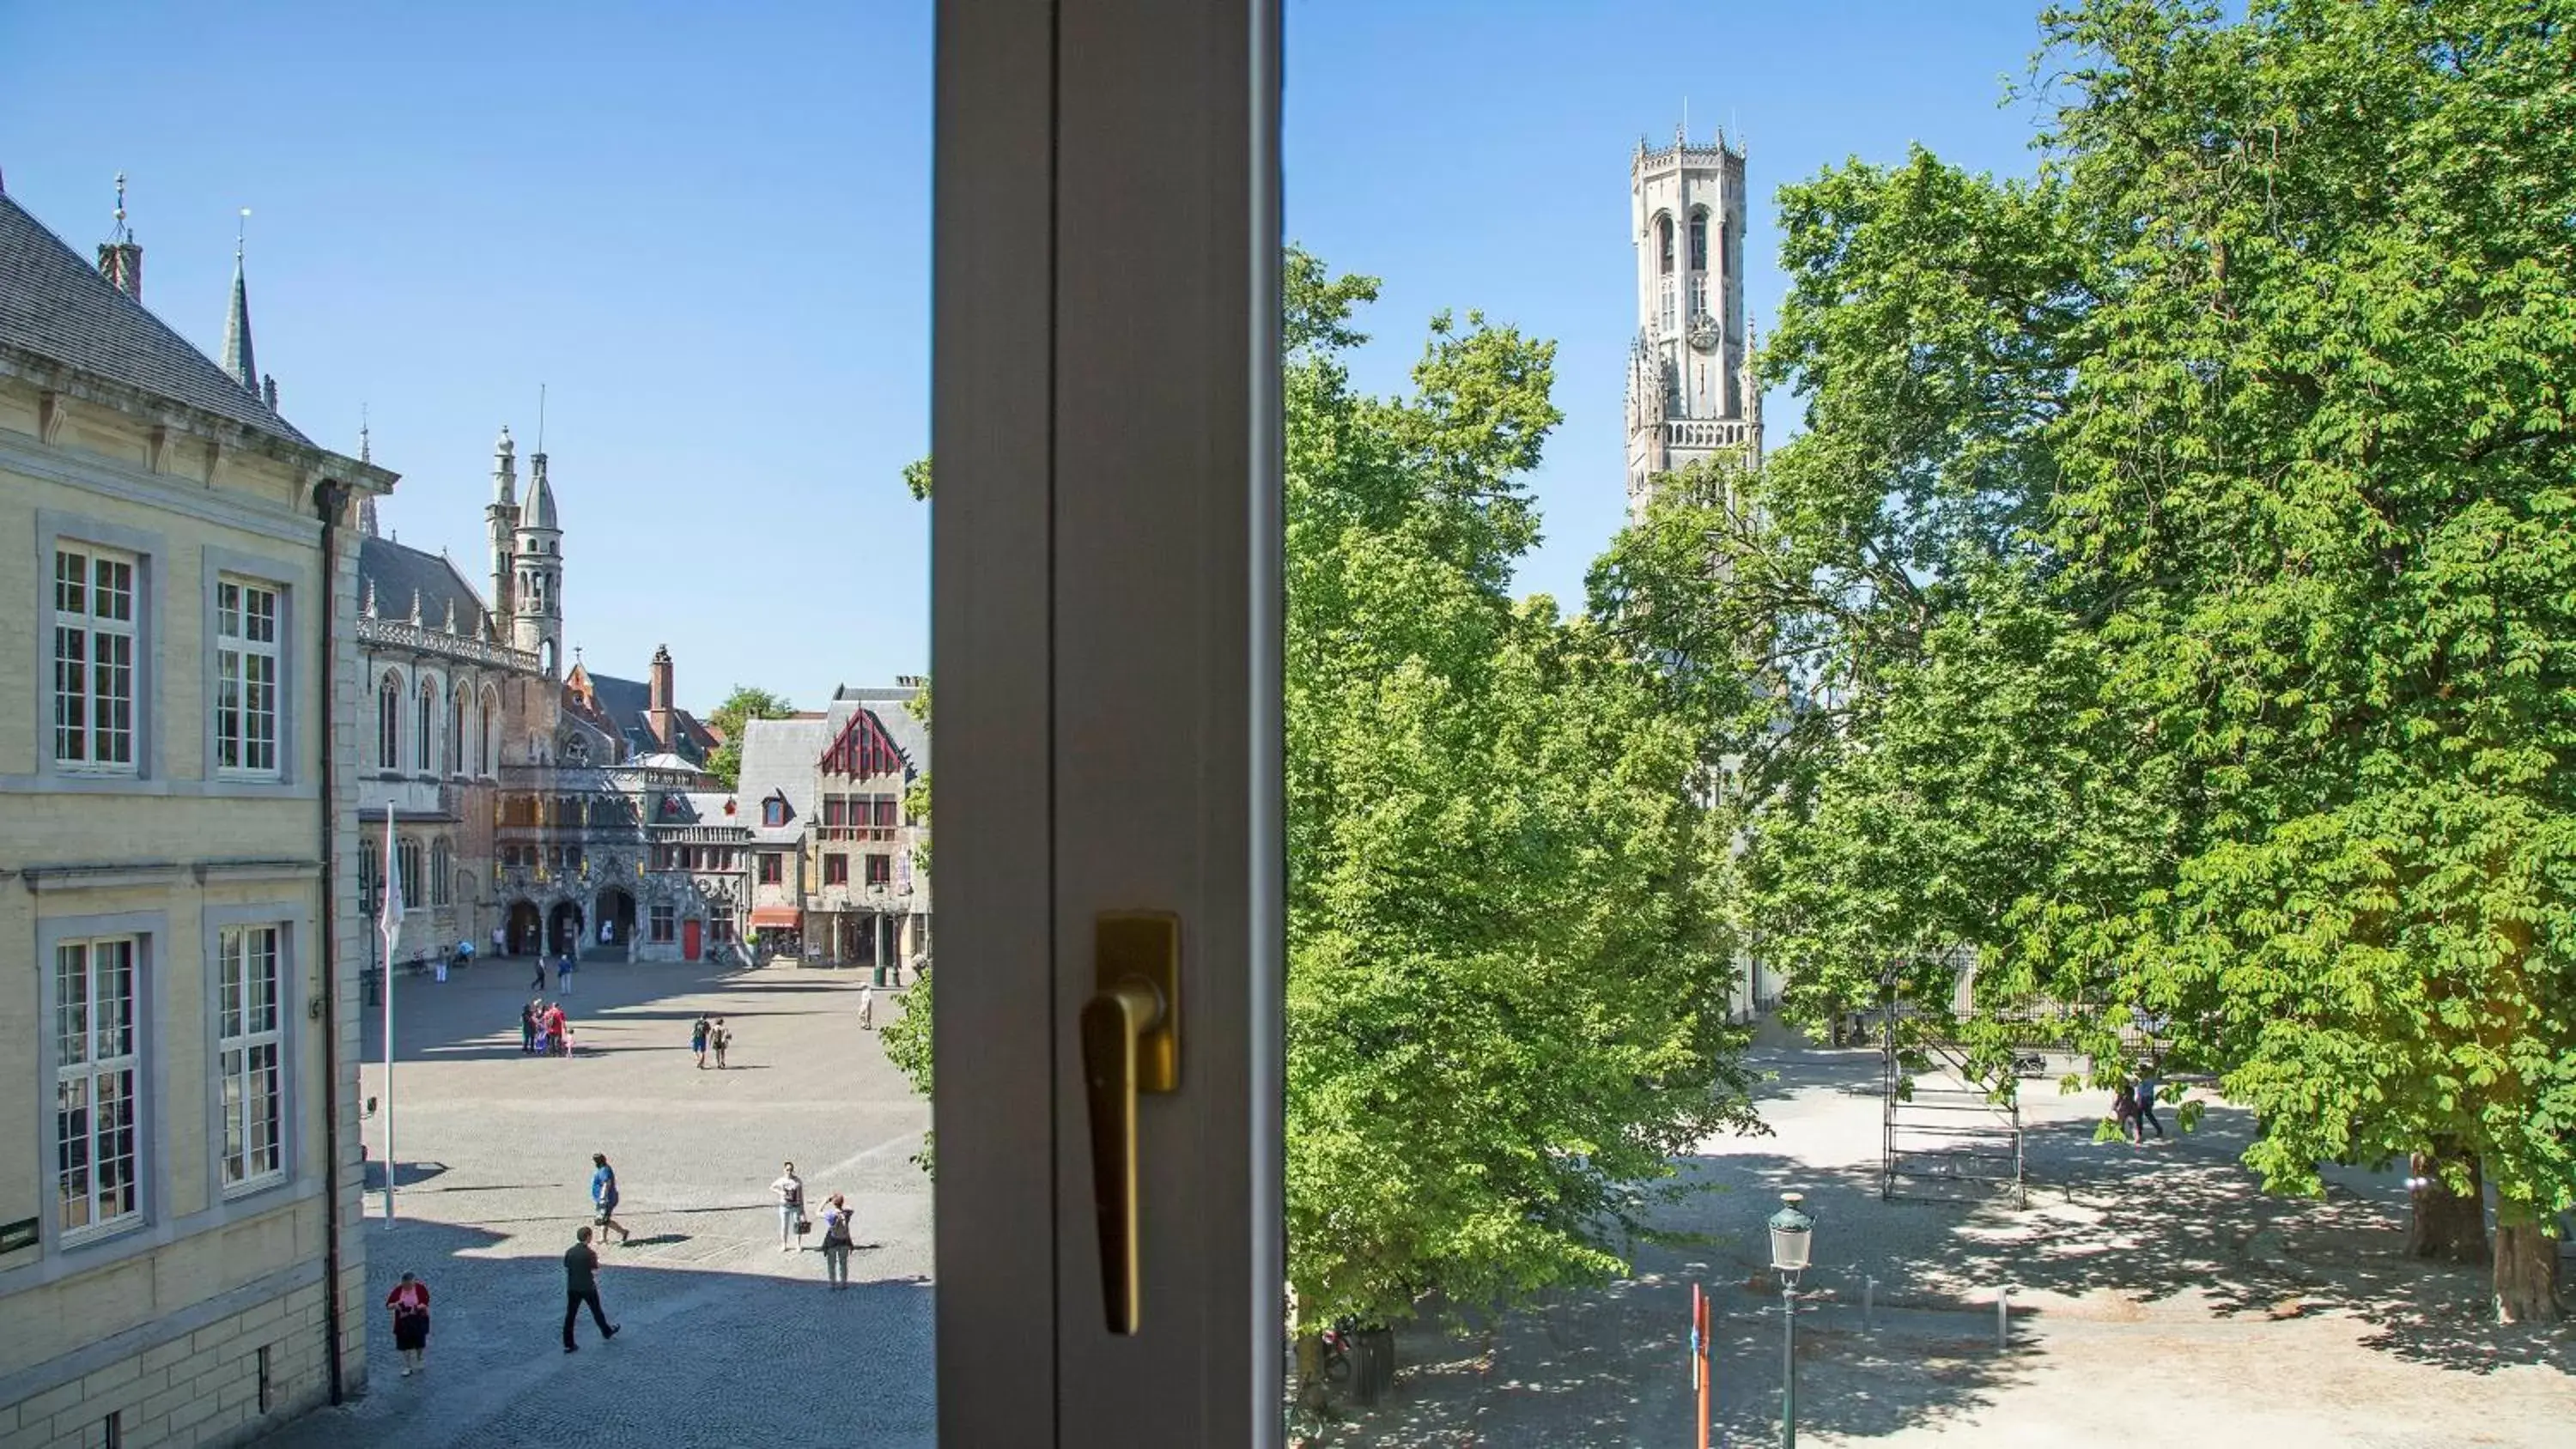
1691	391
180	1260
531	808
830	838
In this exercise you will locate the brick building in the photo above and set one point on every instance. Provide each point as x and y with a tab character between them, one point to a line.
179	1254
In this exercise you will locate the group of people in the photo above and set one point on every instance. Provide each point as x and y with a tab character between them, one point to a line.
543	1031
710	1034
2133	1107
793	1224
563	965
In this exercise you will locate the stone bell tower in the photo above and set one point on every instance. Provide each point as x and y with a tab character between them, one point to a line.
1690	390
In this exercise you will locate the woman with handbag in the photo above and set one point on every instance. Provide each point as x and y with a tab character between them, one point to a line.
836	1242
791	1209
410	1304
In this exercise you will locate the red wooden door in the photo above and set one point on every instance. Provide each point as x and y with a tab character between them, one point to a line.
689	938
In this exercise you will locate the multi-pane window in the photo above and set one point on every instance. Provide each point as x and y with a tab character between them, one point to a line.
246	673
425	737
1699	241
97	1065
440	871
1699	294
1664	304
370	881
389	722
407	861
94	619
880	870
720	930
836	869
772	869
664	922
247	1056
860	817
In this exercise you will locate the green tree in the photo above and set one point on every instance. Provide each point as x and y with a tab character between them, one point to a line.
1507	972
907	1038
2242	700
746	703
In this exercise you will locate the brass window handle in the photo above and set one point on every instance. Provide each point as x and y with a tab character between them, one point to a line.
1130	1044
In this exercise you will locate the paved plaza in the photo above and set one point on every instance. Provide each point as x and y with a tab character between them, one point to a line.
725	1341
2157	1298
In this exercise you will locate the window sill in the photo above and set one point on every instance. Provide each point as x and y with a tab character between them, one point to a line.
256	1188
83	1240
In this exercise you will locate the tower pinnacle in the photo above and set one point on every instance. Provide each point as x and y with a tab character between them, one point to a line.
237	349
120	257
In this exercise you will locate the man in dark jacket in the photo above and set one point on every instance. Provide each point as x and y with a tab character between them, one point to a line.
581	1285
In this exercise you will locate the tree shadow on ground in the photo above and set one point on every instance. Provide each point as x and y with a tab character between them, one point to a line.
2111	1235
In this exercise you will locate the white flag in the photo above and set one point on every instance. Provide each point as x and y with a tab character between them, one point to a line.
390	921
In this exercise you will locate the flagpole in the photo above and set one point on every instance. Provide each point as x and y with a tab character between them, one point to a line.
391	926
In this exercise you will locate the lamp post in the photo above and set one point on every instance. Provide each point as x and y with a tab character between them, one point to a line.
1792	1233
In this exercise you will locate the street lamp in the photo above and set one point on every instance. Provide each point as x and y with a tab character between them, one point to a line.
1792	1235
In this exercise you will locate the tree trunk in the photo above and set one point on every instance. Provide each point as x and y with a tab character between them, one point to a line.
2526	1266
1310	1372
2446	1224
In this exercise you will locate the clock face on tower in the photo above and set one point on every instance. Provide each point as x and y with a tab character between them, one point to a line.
1703	333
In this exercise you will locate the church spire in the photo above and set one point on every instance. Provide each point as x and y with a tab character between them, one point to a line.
366	501
237	350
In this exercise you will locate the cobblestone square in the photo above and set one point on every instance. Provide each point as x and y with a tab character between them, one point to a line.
724	1339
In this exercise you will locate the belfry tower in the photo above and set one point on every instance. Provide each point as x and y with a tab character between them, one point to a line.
1691	393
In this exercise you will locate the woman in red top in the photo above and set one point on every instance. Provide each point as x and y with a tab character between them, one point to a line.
410	1303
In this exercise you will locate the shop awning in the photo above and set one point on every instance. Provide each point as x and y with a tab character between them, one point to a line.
765	918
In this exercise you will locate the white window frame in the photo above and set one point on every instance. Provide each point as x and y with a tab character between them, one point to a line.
77	1060
143	772
1109	723
249	1021
78	702
240	653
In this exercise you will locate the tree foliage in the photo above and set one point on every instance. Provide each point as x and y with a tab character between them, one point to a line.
2193	587
746	703
1507	971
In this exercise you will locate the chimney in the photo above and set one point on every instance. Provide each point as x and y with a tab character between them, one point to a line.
268	391
662	723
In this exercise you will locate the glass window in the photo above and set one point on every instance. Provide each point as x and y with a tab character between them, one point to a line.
94	631
836	869
249	1070
771	869
389	722
664	919
425	742
440	871
98	1060
1699	241
407	862
880	870
1664	244
246	674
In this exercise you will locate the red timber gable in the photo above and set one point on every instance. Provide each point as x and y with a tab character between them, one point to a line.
863	751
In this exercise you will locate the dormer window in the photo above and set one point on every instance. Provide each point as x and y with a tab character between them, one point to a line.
773	811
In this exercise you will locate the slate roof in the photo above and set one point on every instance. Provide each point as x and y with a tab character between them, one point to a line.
778	757
626	705
56	305
397	571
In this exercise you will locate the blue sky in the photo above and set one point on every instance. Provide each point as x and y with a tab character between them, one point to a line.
706	231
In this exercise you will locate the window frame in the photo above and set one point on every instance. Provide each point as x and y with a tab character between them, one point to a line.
836	868
773	868
56	528
232	1099
236	649
390	694
442	867
407	868
424	746
879	873
90	629
662	923
143	931
293	585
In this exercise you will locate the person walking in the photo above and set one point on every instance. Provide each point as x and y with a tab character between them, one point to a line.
603	1197
2124	1110
698	1035
720	1036
563	973
791	1207
537	982
581	1286
837	1242
867	1006
500	943
410	1304
2145	1097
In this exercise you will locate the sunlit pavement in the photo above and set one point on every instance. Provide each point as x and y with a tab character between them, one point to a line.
725	1340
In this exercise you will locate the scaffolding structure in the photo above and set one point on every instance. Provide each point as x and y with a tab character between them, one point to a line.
1950	1133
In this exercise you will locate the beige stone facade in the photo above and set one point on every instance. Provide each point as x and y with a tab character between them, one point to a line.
179	1193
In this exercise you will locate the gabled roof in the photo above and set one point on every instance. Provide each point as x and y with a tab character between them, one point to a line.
397	572
54	304
778	759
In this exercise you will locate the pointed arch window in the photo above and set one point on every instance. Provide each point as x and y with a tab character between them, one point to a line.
441	871
1699	240
483	736
389	693
407	862
425	745
456	733
1664	244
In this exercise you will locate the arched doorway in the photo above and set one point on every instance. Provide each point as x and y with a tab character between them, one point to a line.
563	929
615	912
525	929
